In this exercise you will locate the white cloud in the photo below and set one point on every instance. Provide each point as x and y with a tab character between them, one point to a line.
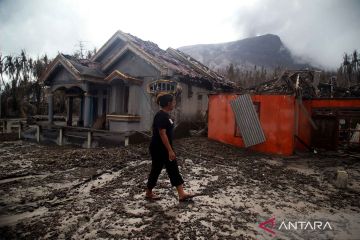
321	30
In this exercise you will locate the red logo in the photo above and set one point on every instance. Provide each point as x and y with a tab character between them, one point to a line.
270	222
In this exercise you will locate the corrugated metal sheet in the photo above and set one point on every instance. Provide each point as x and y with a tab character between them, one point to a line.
247	120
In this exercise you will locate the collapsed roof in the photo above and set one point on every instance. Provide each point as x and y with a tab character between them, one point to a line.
291	82
304	83
172	63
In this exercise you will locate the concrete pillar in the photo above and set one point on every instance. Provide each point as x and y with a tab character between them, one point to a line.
8	126
89	139
50	107
100	103
69	110
126	143
80	122
61	137
19	129
87	106
38	133
3	127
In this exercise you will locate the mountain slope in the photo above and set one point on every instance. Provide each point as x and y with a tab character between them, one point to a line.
266	50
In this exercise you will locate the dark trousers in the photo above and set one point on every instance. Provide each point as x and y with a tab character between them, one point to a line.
160	158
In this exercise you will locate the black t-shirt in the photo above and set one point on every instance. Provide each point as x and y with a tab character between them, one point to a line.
162	120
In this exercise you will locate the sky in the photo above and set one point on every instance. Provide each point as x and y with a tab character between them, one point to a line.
320	31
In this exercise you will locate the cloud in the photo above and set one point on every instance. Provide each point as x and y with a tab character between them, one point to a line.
37	28
318	30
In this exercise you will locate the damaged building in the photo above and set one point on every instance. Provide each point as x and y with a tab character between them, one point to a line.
117	86
284	115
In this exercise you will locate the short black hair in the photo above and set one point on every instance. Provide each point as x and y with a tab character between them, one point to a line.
165	99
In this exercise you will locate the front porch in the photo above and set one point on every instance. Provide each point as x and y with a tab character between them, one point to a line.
86	104
92	100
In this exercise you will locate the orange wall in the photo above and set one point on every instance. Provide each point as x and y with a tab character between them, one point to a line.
305	127
276	117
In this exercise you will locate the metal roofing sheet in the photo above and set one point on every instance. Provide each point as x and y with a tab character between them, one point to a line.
247	120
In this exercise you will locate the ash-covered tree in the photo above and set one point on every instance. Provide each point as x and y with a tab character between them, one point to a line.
21	90
348	73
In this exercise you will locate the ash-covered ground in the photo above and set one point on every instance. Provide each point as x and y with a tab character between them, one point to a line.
52	192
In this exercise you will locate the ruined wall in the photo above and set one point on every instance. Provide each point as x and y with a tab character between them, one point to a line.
305	128
276	118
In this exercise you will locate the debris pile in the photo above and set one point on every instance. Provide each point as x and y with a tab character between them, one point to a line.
289	82
305	83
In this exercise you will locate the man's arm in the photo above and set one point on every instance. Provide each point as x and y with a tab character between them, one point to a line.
166	143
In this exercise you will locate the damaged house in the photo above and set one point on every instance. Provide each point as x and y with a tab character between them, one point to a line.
119	84
284	115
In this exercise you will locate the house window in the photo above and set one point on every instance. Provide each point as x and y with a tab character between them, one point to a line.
257	109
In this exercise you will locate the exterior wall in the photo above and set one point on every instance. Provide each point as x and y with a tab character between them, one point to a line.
116	126
134	99
277	117
147	105
305	128
190	107
117	98
140	102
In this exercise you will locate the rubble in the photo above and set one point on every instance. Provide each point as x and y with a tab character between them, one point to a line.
289	82
307	84
342	179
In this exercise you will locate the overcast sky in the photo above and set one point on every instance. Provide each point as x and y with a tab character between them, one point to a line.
321	30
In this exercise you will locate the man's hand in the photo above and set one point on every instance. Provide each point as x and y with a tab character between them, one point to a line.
166	143
172	155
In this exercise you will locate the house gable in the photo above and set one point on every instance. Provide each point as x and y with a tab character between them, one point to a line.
60	71
110	50
134	65
117	39
61	76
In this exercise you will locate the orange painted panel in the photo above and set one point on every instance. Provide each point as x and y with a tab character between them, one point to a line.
276	118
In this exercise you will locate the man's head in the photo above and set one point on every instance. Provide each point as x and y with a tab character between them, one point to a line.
166	101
